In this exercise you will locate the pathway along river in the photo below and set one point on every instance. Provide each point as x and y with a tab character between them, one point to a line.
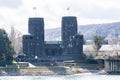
69	77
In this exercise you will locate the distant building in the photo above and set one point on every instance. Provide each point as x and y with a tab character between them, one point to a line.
108	50
70	48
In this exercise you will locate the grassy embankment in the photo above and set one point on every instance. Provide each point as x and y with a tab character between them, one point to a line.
23	69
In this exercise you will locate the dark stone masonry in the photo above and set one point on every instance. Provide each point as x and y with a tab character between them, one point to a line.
36	48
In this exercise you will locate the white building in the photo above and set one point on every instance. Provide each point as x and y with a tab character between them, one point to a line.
110	50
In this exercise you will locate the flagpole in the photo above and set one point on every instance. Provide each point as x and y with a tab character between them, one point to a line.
35	11
68	10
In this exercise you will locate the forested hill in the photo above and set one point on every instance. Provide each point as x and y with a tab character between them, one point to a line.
87	30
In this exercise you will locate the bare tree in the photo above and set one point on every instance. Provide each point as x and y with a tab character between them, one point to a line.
113	41
97	43
16	39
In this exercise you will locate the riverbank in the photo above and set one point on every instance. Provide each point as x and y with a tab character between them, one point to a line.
28	69
44	71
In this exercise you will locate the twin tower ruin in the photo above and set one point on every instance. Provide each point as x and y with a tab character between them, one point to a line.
70	48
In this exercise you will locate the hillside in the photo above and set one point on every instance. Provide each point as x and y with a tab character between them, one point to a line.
87	30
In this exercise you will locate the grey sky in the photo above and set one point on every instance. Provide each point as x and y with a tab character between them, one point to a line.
10	3
17	12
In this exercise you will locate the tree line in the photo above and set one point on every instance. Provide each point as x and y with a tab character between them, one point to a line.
10	46
6	49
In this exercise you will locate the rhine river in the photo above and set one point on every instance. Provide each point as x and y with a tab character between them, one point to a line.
70	77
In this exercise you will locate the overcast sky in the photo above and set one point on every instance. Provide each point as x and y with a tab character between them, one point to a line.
16	12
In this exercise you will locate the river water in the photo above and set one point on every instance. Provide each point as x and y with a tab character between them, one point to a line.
70	77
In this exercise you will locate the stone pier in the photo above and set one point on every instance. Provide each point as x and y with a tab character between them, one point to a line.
112	65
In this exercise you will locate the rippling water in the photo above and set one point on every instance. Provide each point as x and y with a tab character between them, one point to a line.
75	77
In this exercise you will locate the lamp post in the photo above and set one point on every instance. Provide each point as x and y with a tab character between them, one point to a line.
17	63
36	58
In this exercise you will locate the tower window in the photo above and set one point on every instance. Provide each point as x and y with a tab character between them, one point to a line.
70	45
31	37
31	43
37	37
37	43
26	38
